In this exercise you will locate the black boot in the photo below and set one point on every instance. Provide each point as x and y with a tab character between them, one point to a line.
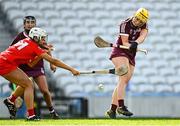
11	107
111	114
33	118
54	115
124	111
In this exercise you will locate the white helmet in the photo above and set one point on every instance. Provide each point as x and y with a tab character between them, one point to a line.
37	32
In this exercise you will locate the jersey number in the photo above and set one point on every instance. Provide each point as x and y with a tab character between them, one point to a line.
21	45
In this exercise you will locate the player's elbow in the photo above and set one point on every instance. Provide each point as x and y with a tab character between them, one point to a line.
55	61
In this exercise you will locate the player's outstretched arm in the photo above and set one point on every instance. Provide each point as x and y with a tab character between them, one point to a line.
52	66
59	63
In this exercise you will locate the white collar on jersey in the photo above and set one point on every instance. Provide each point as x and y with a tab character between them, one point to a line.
24	33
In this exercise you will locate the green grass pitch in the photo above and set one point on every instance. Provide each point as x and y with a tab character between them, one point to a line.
94	122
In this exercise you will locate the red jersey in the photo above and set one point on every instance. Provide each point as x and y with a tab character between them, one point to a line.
22	52
38	69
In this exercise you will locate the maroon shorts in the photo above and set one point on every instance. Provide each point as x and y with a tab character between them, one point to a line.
116	52
37	70
35	73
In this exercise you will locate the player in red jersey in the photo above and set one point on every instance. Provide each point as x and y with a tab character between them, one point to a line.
133	32
27	51
37	72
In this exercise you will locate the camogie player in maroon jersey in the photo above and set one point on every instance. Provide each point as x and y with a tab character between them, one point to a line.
27	51
37	72
133	32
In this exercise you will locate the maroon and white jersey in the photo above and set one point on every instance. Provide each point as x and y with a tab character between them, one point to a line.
132	32
38	69
20	36
127	29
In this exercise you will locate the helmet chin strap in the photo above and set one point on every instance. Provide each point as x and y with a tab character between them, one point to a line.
131	23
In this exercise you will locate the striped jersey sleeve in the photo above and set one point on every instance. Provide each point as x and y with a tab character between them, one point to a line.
124	30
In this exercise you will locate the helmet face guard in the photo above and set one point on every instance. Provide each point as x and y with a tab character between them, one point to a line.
142	14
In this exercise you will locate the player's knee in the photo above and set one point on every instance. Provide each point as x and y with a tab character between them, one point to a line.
124	69
27	83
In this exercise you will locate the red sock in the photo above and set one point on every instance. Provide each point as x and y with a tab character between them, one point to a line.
113	107
12	98
121	102
31	112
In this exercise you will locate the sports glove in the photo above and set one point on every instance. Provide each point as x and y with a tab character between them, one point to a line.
133	47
